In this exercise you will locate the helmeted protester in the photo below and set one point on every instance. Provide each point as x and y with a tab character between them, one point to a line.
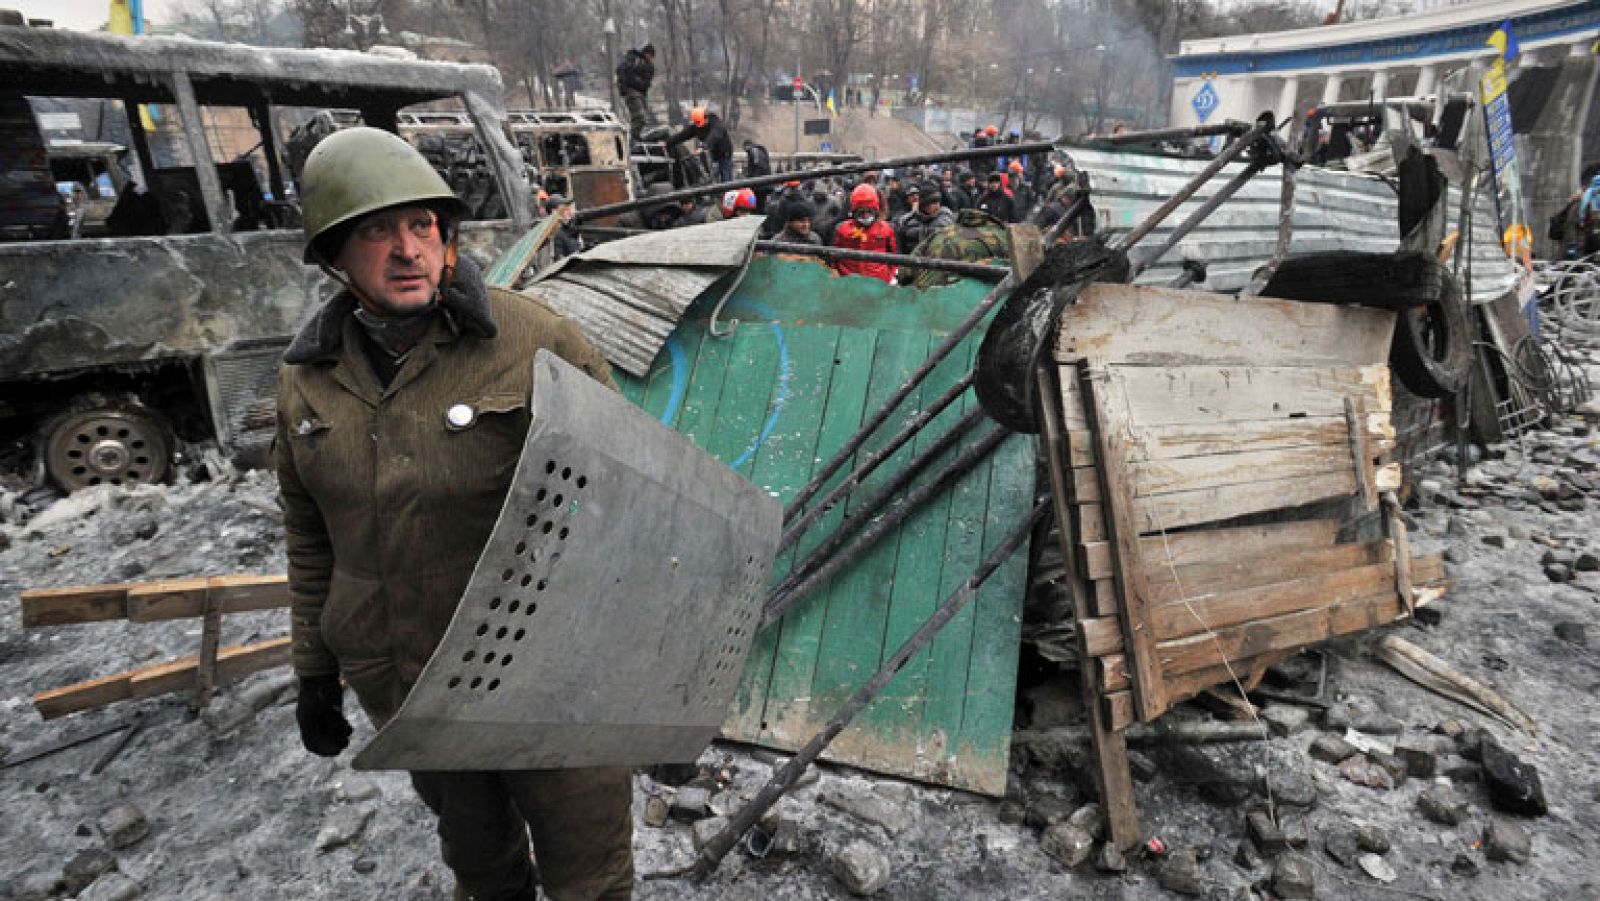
865	230
974	237
398	431
635	74
713	135
1022	196
733	204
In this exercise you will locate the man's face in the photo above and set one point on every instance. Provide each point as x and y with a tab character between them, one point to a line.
800	226
395	258
566	211
930	205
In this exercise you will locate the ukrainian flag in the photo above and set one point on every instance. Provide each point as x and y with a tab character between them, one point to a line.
1505	41
127	17
832	107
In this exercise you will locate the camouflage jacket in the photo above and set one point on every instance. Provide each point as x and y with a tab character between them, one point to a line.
973	238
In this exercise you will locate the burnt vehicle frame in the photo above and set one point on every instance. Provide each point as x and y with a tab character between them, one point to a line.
166	335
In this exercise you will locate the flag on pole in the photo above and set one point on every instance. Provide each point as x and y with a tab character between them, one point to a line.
1505	40
127	17
832	108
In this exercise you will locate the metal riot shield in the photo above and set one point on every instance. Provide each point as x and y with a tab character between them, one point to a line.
609	616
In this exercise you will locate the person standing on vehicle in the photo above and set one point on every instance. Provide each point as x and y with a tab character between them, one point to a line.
635	74
865	230
713	135
402	410
567	240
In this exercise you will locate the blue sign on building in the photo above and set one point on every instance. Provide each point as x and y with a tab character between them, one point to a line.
1205	101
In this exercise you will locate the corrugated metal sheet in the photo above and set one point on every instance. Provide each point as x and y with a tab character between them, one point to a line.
627	296
1333	211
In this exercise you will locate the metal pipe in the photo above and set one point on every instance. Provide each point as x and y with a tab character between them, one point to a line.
857	475
954	339
761	181
982	271
1198	216
1228	154
714	850
1157	135
1258	282
822	565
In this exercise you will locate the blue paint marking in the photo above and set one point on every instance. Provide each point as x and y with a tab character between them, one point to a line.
1205	101
785	373
680	380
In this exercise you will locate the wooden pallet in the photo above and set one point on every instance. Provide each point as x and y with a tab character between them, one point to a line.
1168	417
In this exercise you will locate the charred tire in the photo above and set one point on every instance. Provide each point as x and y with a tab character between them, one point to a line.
1386	281
1432	348
102	442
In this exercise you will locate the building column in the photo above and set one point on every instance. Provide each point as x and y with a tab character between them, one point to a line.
1286	99
1427	80
1330	88
1380	84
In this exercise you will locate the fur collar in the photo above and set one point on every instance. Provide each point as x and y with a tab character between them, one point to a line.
465	305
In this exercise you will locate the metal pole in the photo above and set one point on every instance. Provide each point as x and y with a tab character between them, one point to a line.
712	853
1228	154
843	455
778	178
825	562
1156	136
873	460
1258	282
1198	216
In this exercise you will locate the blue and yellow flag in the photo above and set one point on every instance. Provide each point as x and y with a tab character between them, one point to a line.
1505	40
832	107
127	17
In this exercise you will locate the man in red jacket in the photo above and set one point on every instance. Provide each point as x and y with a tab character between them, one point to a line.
865	230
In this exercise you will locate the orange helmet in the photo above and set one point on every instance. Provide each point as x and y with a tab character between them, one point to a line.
698	116
1015	165
863	197
991	131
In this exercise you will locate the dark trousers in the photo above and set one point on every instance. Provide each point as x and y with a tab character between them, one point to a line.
581	822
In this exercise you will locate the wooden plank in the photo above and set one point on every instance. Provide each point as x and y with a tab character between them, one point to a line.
1210	394
1239	543
57	702
1355	415
1402	551
150	602
1187	508
233	662
1119	710
1111	772
1096	560
1027	250
1190	684
1198	439
1105	597
783	465
1238	572
1222	470
1104	403
161	678
74	605
1099	636
1112	670
1127	323
1219	611
1291	630
1427	570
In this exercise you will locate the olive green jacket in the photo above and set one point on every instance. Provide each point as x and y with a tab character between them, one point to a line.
387	504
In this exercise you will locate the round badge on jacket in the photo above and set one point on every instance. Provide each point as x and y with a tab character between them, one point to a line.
459	416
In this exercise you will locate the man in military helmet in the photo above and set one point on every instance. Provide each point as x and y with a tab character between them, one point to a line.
975	237
402	410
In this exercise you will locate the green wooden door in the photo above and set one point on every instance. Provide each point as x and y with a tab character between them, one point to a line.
811	357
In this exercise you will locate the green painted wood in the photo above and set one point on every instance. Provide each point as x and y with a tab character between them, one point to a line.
812	356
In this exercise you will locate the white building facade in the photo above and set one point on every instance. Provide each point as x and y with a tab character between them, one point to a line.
1241	76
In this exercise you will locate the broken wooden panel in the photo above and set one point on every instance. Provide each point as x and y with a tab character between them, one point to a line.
812	356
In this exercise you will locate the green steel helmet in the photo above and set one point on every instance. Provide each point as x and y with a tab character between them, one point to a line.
357	171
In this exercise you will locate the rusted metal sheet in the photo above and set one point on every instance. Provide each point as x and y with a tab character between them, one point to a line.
627	296
1333	211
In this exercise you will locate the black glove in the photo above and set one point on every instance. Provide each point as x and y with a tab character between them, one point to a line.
320	712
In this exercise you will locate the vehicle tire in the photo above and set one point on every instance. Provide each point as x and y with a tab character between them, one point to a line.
1432	348
101	441
1387	281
